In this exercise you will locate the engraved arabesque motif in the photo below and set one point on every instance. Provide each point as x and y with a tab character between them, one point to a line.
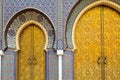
87	40
112	43
88	45
32	54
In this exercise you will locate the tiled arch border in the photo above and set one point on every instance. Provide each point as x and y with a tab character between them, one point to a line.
78	10
50	28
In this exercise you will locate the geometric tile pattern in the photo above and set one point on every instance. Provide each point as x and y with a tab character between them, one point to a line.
11	7
1	20
8	66
72	17
64	7
67	7
68	65
24	17
52	66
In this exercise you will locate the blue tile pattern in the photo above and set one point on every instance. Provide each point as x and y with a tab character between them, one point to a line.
47	6
67	7
53	68
68	65
50	8
24	17
71	19
8	66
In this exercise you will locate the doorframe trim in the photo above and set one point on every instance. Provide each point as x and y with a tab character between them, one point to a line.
23	27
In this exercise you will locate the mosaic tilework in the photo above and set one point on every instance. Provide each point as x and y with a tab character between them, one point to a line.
68	65
13	6
59	25
71	19
64	7
53	68
8	68
47	65
48	7
67	7
1	41
24	17
0	24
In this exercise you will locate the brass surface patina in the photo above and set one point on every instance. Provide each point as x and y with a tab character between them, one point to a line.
97	41
31	57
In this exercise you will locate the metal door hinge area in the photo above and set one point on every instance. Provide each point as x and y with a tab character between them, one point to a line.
102	60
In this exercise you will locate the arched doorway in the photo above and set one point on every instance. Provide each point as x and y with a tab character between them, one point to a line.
97	39
31	57
11	39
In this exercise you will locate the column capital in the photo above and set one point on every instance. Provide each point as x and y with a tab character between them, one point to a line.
60	52
1	52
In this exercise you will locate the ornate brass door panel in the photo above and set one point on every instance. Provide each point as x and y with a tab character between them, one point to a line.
97	40
88	46
31	58
112	43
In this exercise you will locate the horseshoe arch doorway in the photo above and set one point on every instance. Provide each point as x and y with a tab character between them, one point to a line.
96	36
31	41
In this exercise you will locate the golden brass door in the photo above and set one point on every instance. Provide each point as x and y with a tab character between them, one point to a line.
112	43
97	40
31	58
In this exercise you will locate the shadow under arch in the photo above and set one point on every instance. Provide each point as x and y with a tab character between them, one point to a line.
24	11
79	10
